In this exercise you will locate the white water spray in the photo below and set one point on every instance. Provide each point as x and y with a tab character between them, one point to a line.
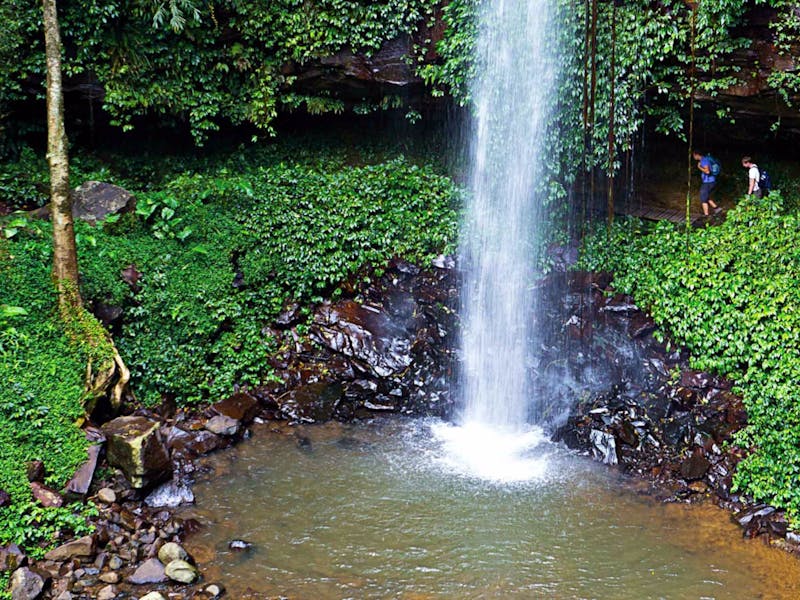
504	226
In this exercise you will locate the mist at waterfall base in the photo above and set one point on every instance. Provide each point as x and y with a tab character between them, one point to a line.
496	435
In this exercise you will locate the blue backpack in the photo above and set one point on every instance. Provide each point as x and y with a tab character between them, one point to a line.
714	167
764	182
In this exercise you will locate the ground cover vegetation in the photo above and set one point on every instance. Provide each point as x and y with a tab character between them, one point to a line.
221	244
729	294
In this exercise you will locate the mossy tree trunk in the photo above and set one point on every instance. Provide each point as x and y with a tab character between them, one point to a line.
65	257
106	374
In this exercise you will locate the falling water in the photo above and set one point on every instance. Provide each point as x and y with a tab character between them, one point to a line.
513	94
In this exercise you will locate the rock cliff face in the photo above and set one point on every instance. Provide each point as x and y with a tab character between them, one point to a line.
753	103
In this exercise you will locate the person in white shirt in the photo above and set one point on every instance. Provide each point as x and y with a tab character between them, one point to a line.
753	175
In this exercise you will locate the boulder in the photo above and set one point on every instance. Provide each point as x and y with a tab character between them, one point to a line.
694	467
5	499
153	596
93	201
150	571
82	547
172	551
25	584
181	571
136	447
193	443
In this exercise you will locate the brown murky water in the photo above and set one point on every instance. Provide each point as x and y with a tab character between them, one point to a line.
374	511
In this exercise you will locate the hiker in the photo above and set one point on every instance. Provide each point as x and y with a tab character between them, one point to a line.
753	177
709	169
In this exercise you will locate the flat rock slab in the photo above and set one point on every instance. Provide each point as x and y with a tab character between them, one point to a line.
77	548
150	571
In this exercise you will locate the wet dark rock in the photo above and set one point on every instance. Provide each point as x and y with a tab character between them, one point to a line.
26	584
107	314
290	315
192	444
241	407
93	201
695	467
620	304
604	447
131	276
314	402
304	443
695	379
136	447
641	325
364	334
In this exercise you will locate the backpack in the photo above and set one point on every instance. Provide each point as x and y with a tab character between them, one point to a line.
714	167
764	182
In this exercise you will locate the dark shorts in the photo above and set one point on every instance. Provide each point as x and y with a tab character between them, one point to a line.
705	191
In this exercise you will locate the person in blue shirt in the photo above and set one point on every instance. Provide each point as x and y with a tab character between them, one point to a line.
709	181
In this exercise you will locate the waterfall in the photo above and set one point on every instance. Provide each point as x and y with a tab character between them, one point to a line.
504	226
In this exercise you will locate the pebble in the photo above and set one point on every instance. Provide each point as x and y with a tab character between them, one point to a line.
107	593
107	496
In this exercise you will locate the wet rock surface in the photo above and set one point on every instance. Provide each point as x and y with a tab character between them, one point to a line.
387	346
653	416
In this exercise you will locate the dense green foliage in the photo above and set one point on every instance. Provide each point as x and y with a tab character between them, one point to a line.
292	224
732	297
205	64
41	389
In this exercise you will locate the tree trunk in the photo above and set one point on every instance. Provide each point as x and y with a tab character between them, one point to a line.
110	378
65	258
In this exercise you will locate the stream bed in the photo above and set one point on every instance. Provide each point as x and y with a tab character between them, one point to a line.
382	510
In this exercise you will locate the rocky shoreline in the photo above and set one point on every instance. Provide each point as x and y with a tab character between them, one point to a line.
388	346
